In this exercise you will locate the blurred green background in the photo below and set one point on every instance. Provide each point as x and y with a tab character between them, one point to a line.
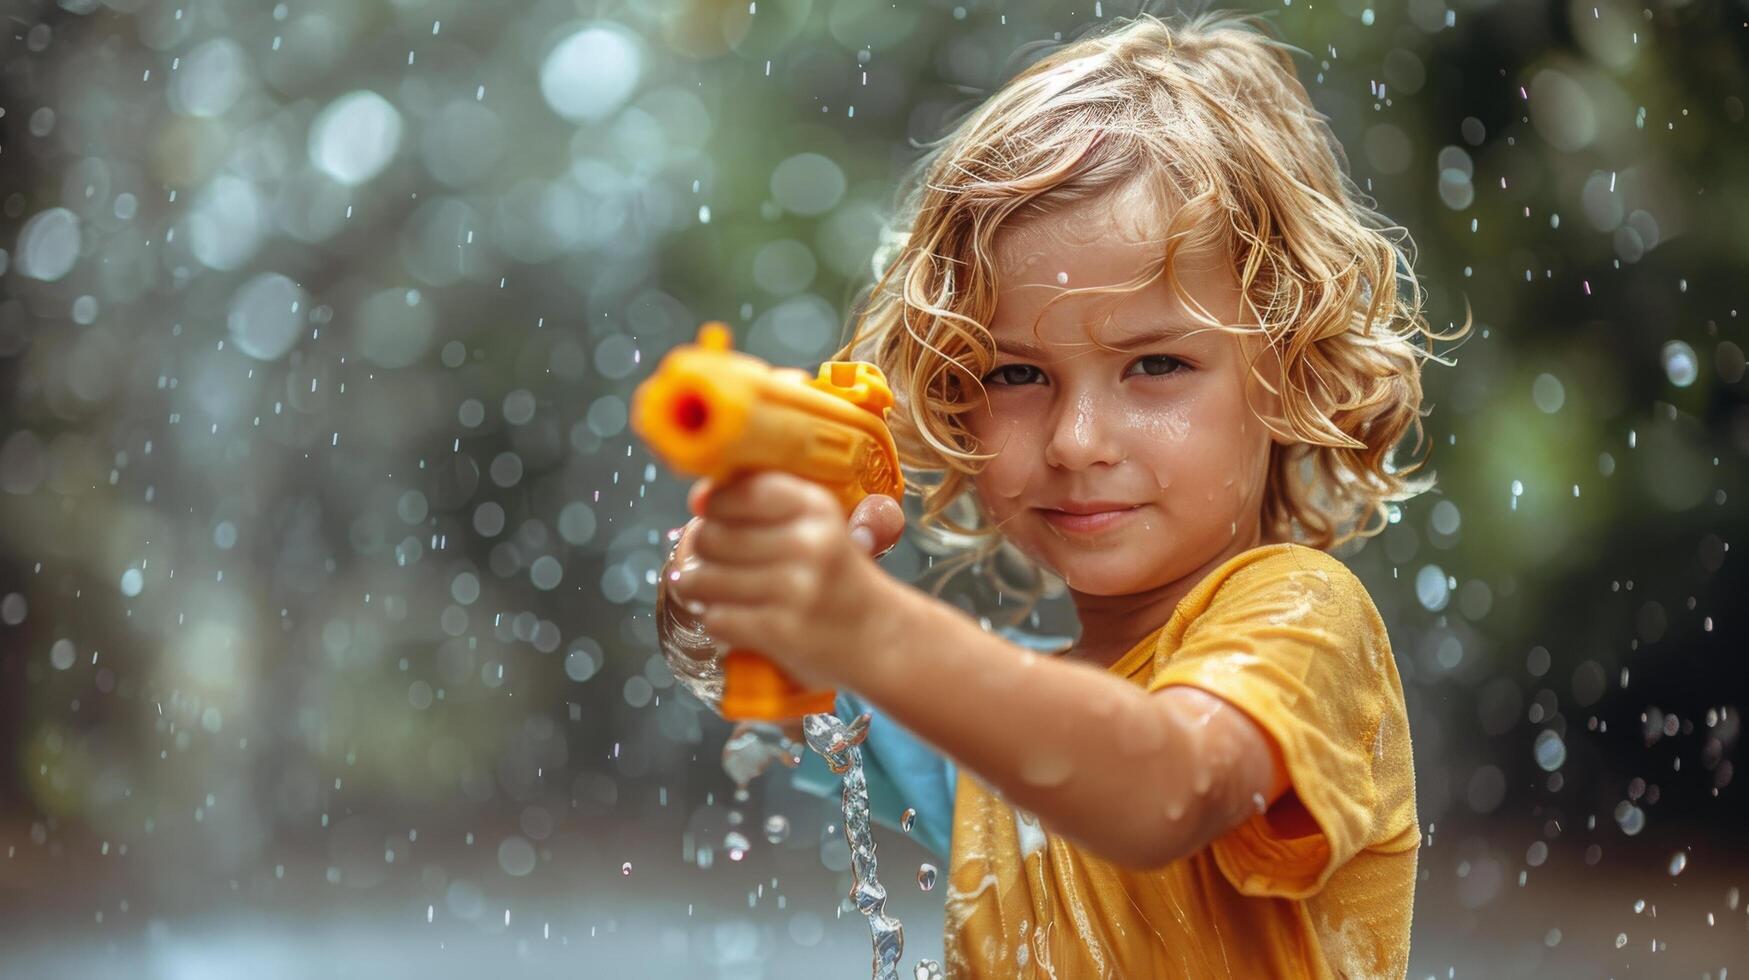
327	560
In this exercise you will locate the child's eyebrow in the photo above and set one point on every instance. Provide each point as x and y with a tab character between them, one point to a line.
1129	342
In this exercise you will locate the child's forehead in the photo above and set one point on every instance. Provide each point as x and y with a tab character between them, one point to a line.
1039	276
1121	233
1133	212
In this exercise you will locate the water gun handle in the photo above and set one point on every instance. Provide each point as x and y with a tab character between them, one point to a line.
708	410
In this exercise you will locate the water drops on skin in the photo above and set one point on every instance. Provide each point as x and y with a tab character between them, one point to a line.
1000	680
1202	779
1175	806
1046	766
1210	753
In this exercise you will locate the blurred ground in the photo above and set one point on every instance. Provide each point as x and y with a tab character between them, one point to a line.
1626	916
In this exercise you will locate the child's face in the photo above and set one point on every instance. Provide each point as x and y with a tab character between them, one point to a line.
1162	427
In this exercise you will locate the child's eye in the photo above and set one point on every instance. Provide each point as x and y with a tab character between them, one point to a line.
1167	365
1006	378
1163	365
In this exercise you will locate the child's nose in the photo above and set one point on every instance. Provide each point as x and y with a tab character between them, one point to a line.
1083	431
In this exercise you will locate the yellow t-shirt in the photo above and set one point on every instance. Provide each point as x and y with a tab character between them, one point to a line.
1289	635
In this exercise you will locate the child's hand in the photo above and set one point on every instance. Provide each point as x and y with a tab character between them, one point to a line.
774	567
877	524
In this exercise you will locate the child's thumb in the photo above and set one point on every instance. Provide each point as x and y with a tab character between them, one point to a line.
880	521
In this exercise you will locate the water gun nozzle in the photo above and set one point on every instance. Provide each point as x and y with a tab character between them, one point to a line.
691	411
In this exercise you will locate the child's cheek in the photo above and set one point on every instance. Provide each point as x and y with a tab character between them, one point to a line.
1165	443
1005	481
1000	488
1005	477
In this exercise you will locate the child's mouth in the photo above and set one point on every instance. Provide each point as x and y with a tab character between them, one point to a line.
1087	523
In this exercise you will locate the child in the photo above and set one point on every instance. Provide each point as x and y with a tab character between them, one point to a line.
1141	315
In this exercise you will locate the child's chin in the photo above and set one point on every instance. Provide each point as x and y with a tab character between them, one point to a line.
1093	575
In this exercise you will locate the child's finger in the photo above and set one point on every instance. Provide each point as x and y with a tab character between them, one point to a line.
696	496
767	497
737	544
711	584
877	523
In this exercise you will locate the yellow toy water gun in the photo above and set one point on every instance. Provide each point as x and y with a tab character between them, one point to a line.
711	411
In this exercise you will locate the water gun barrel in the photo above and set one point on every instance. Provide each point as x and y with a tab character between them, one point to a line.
708	410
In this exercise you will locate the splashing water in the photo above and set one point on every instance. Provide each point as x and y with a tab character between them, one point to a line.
838	743
752	750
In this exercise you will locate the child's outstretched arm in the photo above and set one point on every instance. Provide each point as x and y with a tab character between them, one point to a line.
1136	777
1140	779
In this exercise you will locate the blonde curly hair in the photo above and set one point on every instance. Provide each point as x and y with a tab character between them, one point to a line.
1209	106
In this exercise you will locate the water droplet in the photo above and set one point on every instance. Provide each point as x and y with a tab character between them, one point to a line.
1678	861
776	828
355	137
1680	364
1551	752
48	245
1548	393
926	877
736	843
516	856
625	869
907	818
591	72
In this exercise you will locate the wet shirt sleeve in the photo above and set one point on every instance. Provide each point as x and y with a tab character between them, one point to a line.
1296	644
